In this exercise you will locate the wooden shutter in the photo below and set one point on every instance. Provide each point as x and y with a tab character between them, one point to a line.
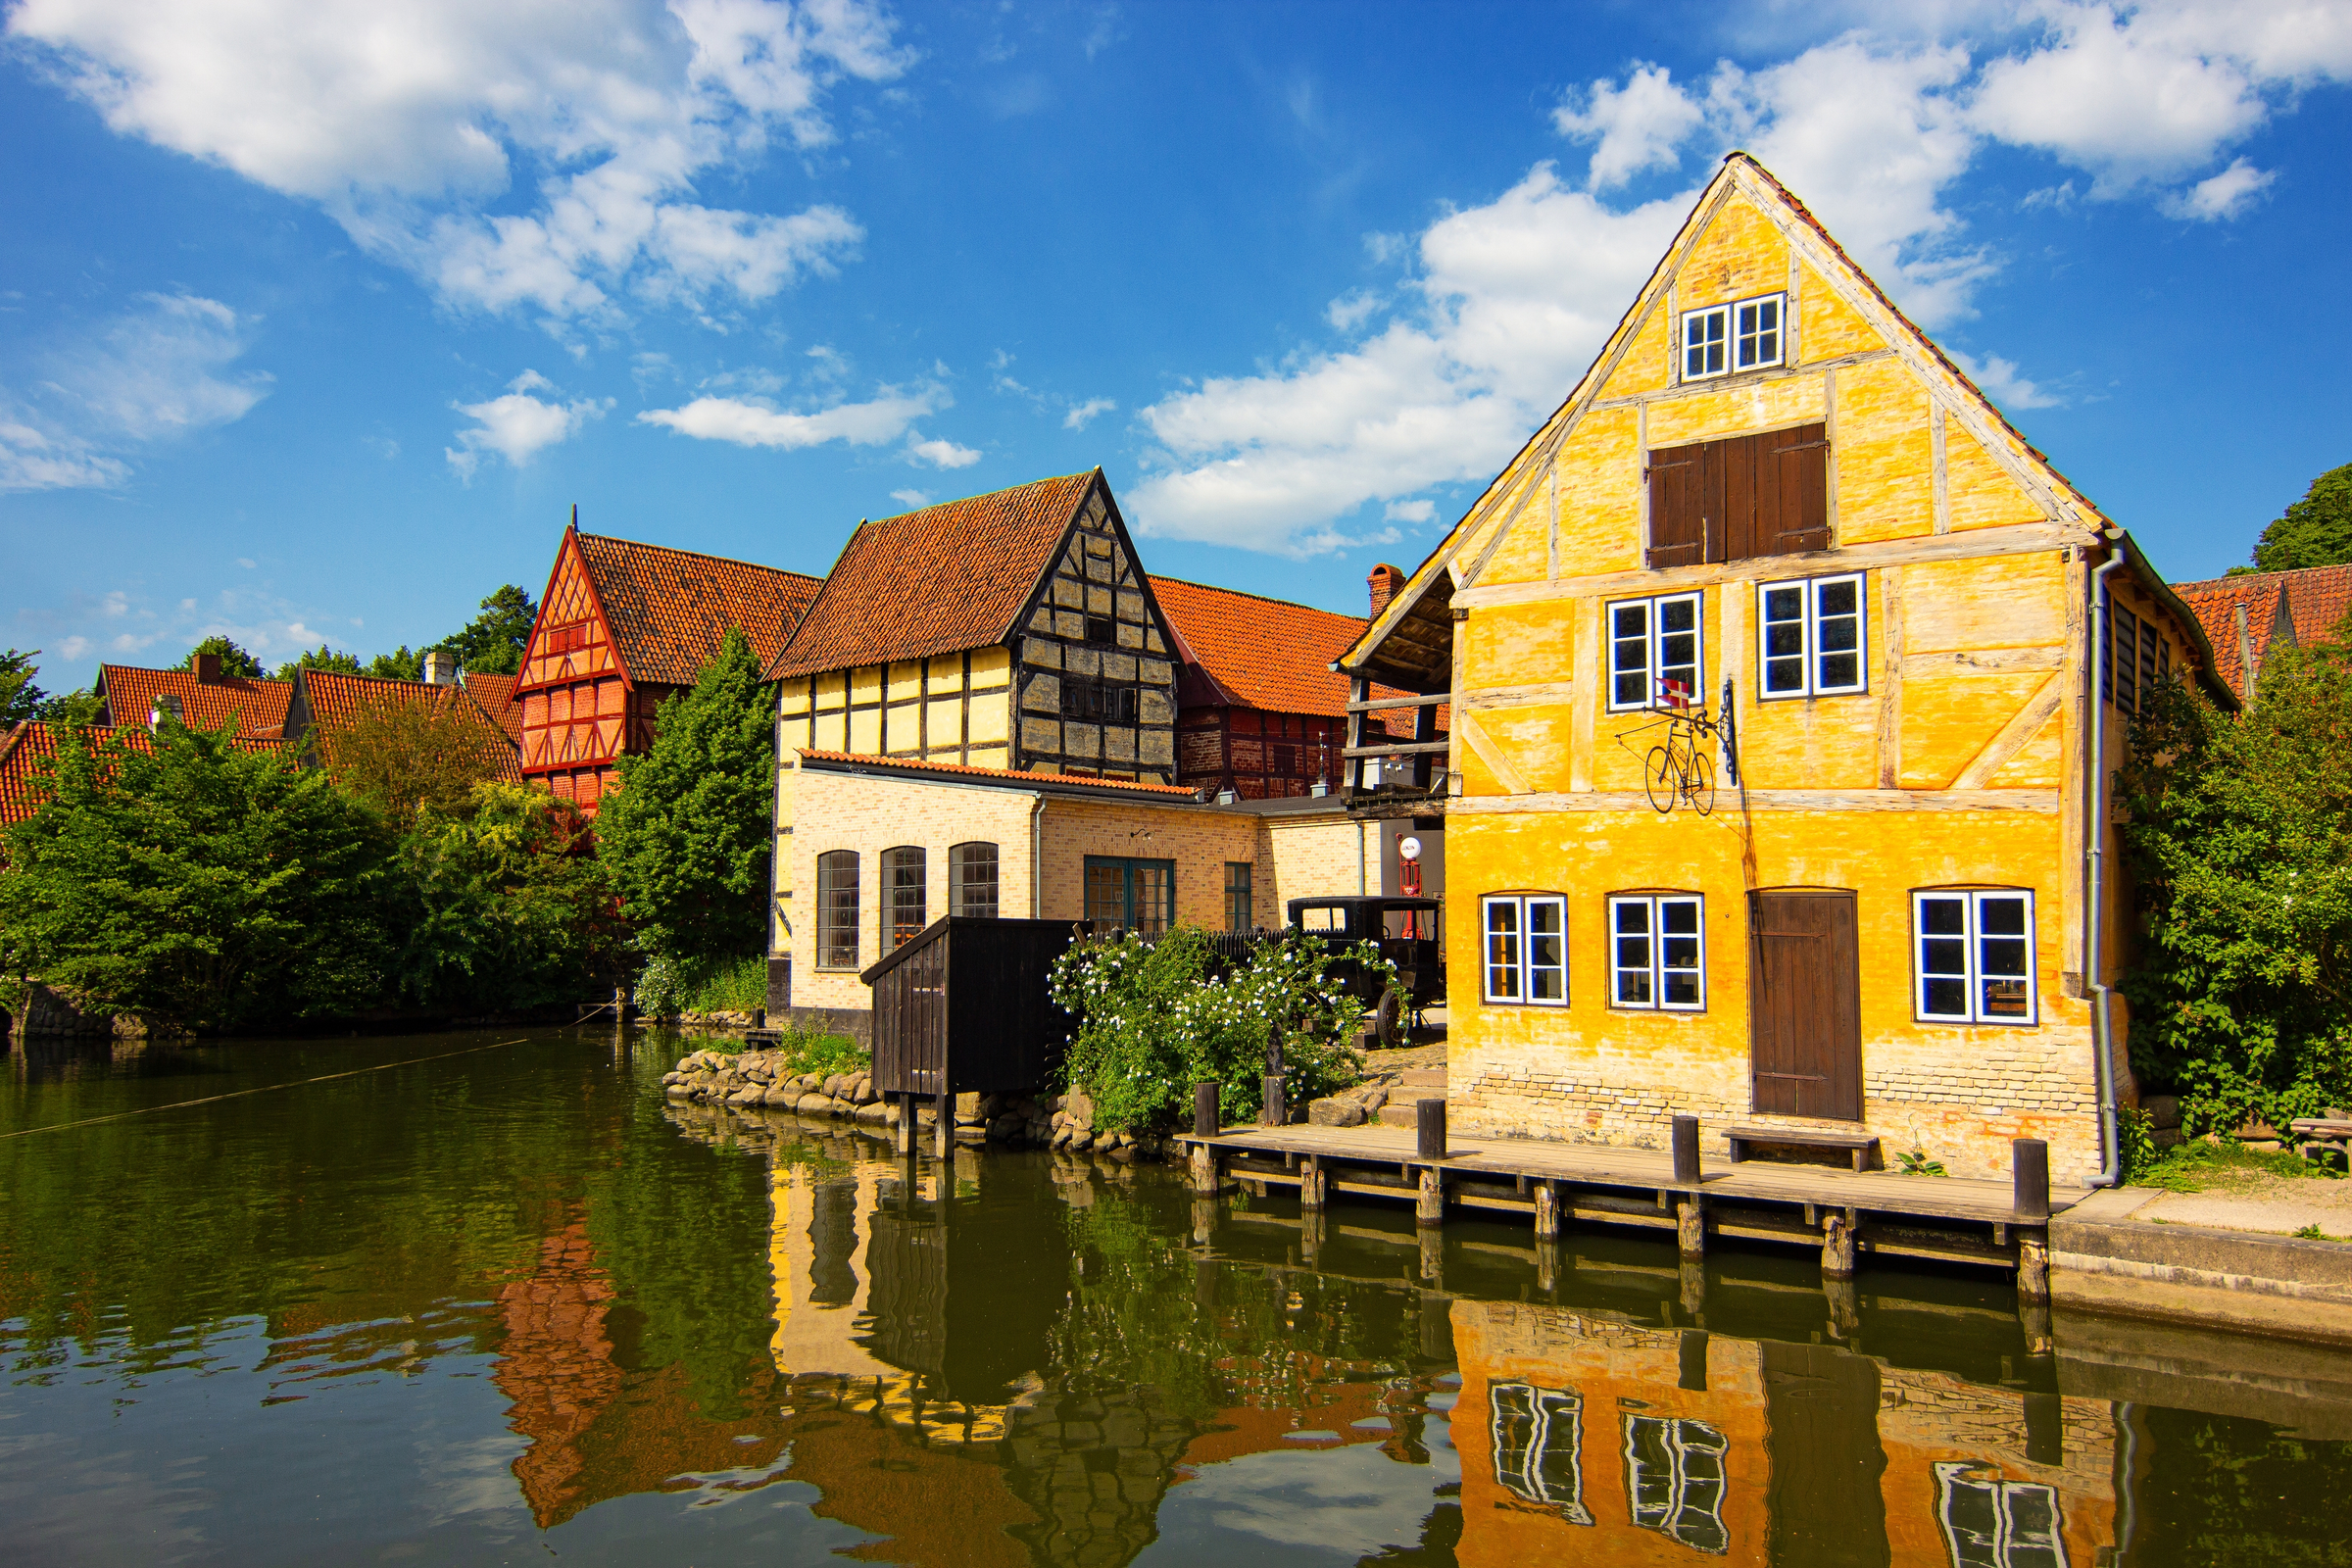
1792	500
1805	1050
1676	507
1741	497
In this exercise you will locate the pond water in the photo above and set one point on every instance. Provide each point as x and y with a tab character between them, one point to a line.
489	1299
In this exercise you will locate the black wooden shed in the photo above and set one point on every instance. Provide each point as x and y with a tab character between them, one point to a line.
965	1007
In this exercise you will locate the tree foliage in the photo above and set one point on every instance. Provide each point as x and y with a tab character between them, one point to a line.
198	880
405	756
235	661
493	641
2315	531
20	698
688	834
321	657
2239	834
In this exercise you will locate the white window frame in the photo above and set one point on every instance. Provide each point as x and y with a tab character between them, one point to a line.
1813	685
1553	1426
1653	647
1516	963
1972	939
1727	321
1653	965
2011	1541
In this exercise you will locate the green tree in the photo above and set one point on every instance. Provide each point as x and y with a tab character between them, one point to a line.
400	666
20	698
76	710
493	641
404	757
2315	531
235	661
321	657
205	882
2240	833
688	836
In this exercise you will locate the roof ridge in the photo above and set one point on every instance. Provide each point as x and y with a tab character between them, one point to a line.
1003	489
1244	593
703	554
158	669
1042	780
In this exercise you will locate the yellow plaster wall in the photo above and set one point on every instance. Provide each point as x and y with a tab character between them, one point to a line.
1829	328
1883	453
1648	362
1981	493
1739	410
1738	256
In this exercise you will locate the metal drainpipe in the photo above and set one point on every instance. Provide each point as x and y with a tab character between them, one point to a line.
2102	1023
1037	860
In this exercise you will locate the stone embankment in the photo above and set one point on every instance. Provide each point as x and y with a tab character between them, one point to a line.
1387	1095
755	1080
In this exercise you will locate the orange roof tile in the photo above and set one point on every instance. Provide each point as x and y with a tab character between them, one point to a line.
23	749
908	764
669	609
495	695
1270	653
259	706
2308	605
329	700
936	581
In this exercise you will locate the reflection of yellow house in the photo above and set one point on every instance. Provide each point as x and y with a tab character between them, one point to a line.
1772	497
1588	1438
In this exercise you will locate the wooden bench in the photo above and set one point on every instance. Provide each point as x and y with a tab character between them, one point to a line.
1864	1146
2322	1133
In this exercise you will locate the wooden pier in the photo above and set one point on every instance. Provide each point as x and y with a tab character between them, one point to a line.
1560	1186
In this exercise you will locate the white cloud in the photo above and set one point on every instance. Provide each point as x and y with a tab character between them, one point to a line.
1997	379
75	647
912	498
407	122
152	375
941	454
1413	511
1082	413
1637	126
748	424
1352	309
2223	196
519	424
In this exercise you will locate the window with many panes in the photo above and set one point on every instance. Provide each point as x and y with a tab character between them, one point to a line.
1989	1522
1974	955
837	909
2137	658
1675	1480
1538	1440
1526	947
1809	637
1654	652
1659	951
1241	911
1129	894
1744	335
1096	702
972	880
906	896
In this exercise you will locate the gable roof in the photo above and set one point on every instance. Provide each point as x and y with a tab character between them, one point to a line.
34	741
330	700
939	580
495	696
2302	607
669	609
1268	653
259	706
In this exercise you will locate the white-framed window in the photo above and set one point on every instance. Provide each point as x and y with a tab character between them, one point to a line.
1748	335
1809	637
1655	644
1659	951
1993	1522
1675	1480
1536	1435
1526	958
1975	951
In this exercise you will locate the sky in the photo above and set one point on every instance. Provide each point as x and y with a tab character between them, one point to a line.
318	316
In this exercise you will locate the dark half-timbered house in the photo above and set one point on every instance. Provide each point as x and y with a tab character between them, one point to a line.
622	627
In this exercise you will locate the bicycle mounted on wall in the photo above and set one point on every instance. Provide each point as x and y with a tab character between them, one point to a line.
1677	771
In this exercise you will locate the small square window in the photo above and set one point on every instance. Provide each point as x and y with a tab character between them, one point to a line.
1526	958
1102	629
1658	951
1745	335
1756	338
1656	652
1809	637
1975	956
1703	334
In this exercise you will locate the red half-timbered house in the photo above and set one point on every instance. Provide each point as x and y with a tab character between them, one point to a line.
622	627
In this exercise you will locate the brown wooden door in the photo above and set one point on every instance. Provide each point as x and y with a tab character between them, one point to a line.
1825	1500
1740	497
1805	1004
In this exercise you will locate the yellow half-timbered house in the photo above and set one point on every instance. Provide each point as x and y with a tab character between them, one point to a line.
1875	904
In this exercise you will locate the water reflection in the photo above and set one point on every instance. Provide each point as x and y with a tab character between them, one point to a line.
515	1300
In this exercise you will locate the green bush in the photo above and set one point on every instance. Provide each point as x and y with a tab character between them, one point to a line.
1155	1018
737	985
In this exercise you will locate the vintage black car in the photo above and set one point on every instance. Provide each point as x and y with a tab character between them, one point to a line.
1406	930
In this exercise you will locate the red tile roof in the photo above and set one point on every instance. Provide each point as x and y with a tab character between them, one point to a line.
1270	653
669	609
495	695
259	706
330	700
936	581
22	749
2306	606
907	765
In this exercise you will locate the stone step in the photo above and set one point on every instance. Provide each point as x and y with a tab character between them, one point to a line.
1424	1077
1404	1115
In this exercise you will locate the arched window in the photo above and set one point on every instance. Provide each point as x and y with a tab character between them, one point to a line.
837	909
972	880
905	895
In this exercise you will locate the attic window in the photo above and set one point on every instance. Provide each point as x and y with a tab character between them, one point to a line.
1102	629
567	639
1744	335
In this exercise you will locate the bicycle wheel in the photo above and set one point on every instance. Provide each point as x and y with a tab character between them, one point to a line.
1663	779
1698	783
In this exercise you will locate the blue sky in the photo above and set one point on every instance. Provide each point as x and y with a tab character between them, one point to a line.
316	318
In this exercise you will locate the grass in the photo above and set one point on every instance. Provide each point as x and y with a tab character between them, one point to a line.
2197	1166
736	986
804	1051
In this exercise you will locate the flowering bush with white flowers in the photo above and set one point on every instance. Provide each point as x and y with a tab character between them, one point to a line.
1156	1017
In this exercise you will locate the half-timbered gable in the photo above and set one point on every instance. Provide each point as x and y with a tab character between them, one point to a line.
622	626
1868	893
1011	630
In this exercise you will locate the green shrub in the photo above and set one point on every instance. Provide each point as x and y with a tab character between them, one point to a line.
736	985
1155	1018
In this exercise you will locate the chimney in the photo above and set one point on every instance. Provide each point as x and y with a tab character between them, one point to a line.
208	670
440	667
1383	581
168	704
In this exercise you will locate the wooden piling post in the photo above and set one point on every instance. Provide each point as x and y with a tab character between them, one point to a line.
1204	1220
1547	1264
2029	1171
1208	1178
2034	1318
1846	1309
1836	1247
1272	1112
1204	1111
1432	1255
1690	1227
2032	1269
1685	1150
1429	1116
1548	1211
944	1126
1313	1227
906	1127
1430	1208
1693	1280
1313	1191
